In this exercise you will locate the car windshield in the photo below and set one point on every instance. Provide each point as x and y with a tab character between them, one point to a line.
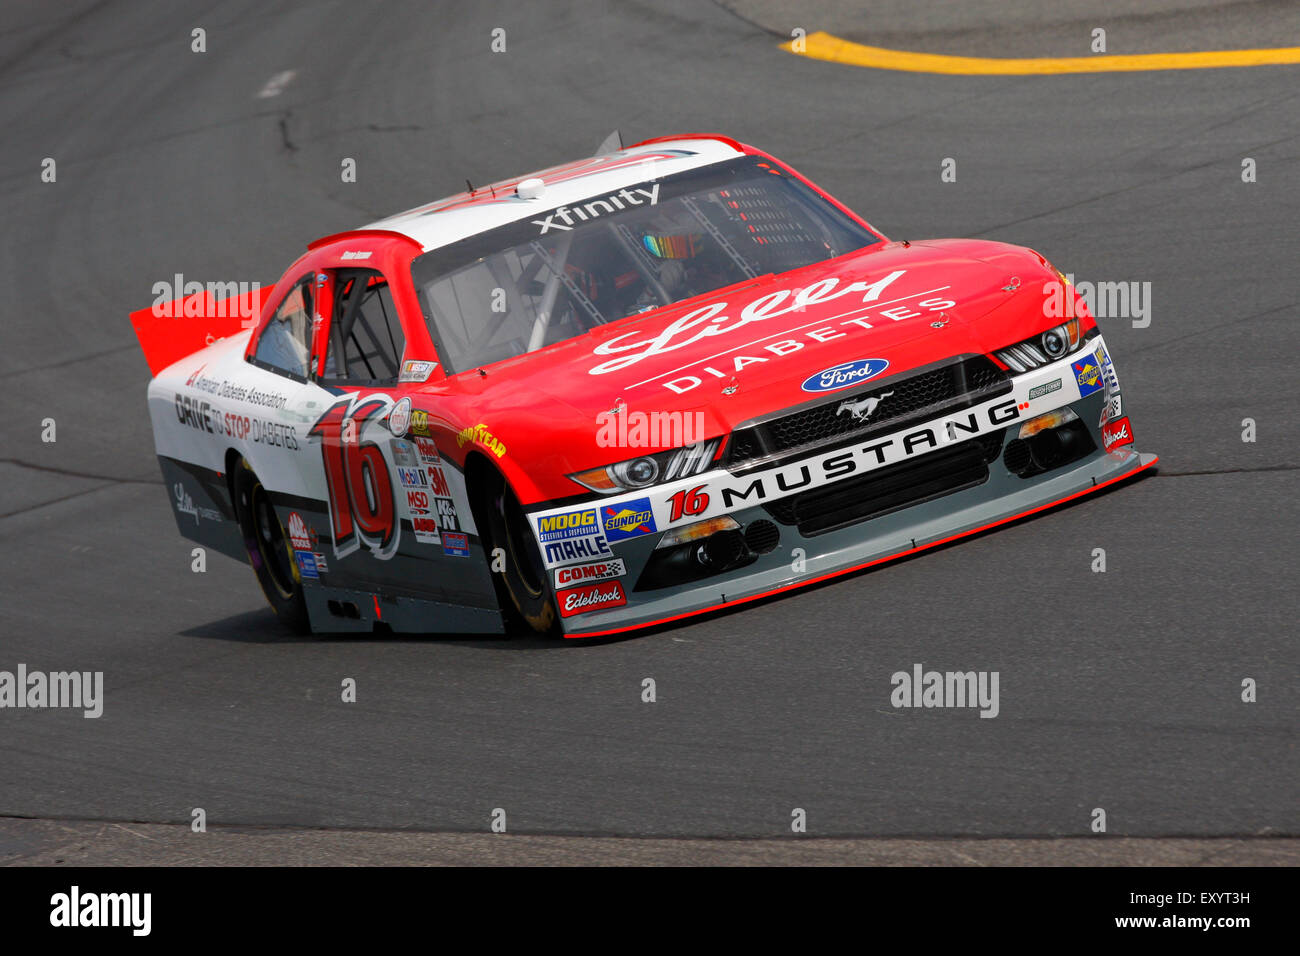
565	270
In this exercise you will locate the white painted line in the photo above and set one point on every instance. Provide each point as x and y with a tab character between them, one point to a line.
276	84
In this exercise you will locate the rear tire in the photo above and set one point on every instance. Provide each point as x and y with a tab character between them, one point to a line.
524	584
269	550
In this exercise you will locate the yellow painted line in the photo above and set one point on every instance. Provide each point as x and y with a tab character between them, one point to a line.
824	46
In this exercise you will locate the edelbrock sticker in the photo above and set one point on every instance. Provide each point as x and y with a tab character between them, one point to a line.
593	597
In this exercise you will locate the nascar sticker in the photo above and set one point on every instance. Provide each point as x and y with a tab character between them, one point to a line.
414	370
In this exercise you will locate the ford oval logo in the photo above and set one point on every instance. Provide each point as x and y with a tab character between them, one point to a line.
843	375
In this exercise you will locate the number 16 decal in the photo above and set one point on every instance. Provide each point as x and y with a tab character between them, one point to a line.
362	509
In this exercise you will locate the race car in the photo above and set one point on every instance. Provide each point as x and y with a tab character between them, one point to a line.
671	378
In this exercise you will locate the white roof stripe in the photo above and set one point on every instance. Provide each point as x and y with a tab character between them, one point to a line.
456	217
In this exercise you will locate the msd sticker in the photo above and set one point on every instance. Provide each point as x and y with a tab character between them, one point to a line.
1117	433
1088	374
628	520
593	597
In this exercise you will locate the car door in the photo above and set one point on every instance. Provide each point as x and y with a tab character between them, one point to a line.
384	490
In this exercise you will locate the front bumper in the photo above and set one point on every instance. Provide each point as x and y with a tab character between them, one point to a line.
619	533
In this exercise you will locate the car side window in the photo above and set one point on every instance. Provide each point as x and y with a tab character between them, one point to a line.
365	337
285	343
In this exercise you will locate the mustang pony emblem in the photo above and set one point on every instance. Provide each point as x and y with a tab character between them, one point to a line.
861	410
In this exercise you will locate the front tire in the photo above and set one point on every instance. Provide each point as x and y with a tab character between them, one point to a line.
524	580
269	550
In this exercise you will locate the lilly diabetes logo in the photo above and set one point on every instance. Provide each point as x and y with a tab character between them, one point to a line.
842	376
628	520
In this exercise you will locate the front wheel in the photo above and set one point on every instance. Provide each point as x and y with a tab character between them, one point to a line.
269	551
523	579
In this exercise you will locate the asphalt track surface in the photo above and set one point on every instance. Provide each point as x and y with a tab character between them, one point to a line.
1119	690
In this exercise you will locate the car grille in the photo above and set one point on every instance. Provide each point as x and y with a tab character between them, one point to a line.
891	488
916	398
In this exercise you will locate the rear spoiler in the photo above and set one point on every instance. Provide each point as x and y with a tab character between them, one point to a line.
169	330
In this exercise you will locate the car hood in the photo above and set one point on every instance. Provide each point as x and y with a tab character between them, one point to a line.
751	349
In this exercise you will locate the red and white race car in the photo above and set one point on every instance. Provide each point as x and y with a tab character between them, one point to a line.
668	379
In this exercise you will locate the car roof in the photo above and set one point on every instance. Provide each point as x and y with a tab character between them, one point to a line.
465	214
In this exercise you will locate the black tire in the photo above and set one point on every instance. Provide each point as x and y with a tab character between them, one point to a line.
523	585
269	551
